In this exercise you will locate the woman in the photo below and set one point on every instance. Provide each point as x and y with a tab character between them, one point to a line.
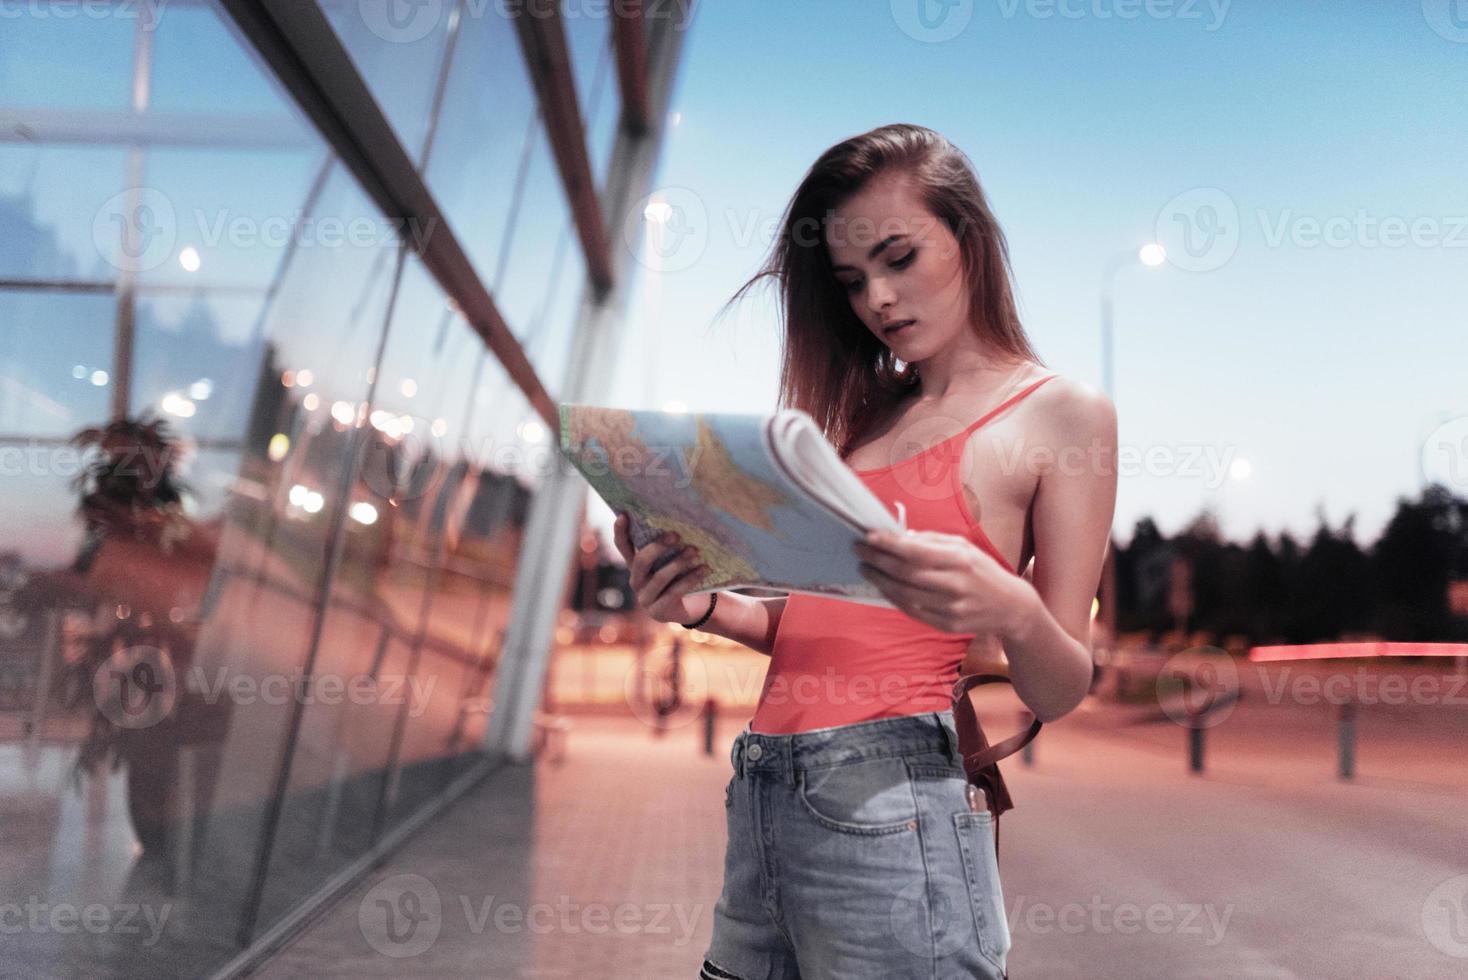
854	849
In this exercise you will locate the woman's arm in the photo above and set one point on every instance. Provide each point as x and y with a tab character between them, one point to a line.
747	620
1048	641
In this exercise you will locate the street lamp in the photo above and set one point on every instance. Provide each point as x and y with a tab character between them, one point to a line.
1150	255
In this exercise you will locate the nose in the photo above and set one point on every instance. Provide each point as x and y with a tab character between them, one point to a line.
879	295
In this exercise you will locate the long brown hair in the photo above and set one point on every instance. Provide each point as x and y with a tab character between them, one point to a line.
832	367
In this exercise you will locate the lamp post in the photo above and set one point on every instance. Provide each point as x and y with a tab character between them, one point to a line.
1150	255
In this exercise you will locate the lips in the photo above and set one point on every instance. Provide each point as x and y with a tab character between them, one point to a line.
897	327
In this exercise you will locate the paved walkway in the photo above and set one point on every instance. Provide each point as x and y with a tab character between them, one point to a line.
1117	862
605	866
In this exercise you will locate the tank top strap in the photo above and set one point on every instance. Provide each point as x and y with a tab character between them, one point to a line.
1018	396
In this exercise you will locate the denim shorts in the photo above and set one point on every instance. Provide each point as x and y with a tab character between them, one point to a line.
854	854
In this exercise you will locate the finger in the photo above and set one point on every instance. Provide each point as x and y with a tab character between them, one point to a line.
673	569
644	573
918	547
619	538
649	554
923	589
688	581
681	580
923	574
897	594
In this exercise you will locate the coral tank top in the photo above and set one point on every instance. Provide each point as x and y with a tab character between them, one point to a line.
836	662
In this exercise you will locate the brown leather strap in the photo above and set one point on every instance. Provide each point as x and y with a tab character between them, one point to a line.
979	757
989	754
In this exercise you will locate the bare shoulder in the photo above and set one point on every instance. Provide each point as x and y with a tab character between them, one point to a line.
1071	412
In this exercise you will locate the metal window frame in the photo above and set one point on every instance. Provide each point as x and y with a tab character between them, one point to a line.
558	508
301	48
543	42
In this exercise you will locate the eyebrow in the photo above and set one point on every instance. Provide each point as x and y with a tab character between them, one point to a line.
876	251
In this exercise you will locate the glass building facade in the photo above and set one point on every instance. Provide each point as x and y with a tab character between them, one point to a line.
260	538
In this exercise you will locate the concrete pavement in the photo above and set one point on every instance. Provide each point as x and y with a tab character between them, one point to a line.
1116	862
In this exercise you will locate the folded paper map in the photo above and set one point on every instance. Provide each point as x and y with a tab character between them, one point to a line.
764	498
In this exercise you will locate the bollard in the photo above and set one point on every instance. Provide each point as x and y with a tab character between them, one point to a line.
1345	714
1027	754
710	717
1195	745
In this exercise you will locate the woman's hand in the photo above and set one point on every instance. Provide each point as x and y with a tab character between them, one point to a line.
943	580
663	594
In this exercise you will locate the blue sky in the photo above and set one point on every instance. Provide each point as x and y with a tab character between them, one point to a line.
1322	360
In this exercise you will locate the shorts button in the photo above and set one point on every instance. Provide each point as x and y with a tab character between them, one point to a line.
754	752
912	825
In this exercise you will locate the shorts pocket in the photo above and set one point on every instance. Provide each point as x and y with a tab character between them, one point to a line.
975	830
871	796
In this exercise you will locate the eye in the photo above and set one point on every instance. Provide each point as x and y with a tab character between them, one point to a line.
901	263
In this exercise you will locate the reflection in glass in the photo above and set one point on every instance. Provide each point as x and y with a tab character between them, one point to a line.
257	531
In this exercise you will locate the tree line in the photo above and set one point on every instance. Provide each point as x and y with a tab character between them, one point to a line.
1286	591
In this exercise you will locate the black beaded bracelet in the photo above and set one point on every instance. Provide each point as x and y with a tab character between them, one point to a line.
713	601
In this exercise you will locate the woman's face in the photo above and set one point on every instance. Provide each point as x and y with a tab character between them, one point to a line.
897	261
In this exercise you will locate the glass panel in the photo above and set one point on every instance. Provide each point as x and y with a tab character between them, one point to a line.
181	344
548	344
226	217
368	659
437	730
167	584
480	145
93	42
53	210
55	374
198	67
154	612
543	216
398	47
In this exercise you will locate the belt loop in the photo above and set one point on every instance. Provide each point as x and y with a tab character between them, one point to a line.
949	741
